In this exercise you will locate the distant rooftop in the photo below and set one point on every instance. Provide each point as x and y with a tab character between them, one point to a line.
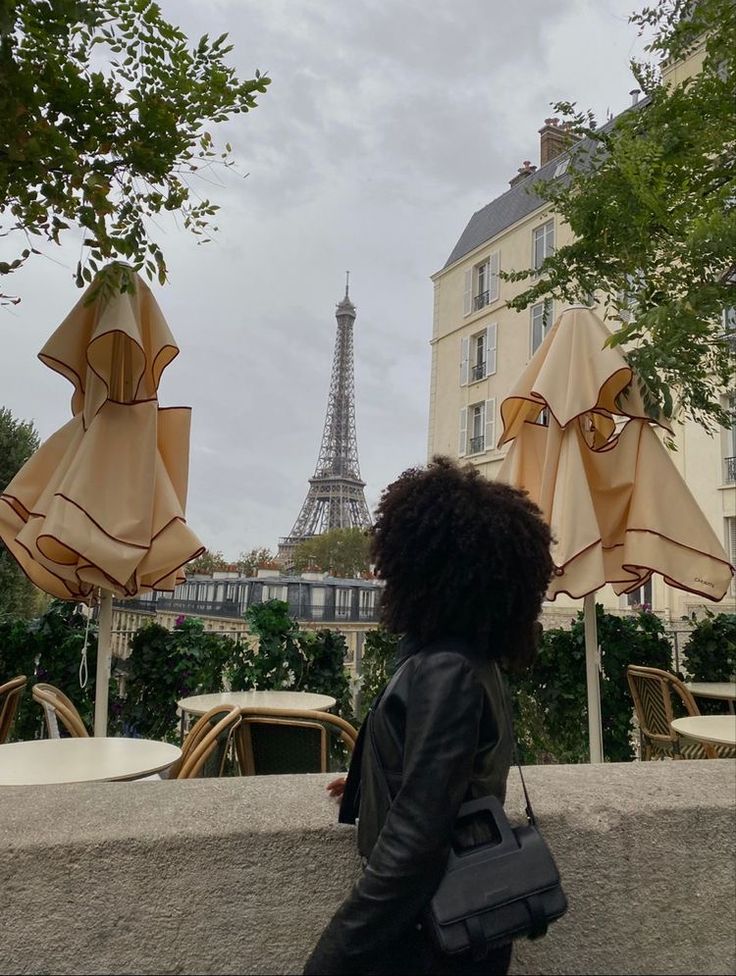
516	203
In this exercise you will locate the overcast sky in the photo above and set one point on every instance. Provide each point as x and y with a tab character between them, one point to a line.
387	124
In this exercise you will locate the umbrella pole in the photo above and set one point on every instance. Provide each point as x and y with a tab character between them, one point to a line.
592	672
102	682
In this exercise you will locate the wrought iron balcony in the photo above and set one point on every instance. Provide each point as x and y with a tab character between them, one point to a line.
476	444
729	471
481	299
478	372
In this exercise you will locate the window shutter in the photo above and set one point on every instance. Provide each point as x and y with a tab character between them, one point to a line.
491	341
549	315
464	360
490	438
462	447
468	294
494	267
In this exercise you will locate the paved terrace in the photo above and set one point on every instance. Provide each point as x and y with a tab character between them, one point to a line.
239	876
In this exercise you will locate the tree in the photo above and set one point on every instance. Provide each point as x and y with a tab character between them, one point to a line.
104	109
18	441
341	552
207	563
651	200
249	562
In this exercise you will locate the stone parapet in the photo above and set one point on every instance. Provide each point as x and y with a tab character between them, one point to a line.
240	875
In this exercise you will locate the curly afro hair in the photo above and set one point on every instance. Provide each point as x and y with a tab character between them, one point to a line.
462	556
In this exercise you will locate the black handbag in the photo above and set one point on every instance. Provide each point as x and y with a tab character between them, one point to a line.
495	892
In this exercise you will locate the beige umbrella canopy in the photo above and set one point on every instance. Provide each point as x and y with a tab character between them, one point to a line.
618	507
101	503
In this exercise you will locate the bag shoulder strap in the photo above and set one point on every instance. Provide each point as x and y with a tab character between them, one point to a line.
505	695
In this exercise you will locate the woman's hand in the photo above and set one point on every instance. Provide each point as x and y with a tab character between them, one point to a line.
336	788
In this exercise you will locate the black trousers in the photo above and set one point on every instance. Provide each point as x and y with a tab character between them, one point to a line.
417	956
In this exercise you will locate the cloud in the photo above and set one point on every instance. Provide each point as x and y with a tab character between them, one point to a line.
386	126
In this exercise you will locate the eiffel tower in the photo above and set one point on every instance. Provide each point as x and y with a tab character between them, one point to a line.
335	499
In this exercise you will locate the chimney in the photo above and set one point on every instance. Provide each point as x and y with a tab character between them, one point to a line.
526	169
635	92
554	139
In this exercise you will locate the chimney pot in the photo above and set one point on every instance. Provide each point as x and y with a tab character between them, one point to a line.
526	169
635	92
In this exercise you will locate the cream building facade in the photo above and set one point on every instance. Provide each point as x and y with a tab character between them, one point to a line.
480	346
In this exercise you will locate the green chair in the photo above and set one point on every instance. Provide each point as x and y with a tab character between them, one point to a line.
276	741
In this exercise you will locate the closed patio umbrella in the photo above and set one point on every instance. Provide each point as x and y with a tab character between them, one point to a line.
588	454
100	506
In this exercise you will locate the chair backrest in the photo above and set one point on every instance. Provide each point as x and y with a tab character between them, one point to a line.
205	747
652	690
10	695
58	708
272	741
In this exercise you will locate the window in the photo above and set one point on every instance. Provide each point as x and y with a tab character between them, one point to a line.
342	602
478	351
729	326
541	322
731	546
482	284
317	604
478	427
543	243
561	168
641	597
476	439
273	592
478	355
729	461
367	604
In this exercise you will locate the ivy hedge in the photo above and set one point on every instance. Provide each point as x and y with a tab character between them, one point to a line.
550	700
710	654
48	648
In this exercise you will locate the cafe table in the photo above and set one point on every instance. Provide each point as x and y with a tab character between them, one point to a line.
722	690
717	730
253	701
83	760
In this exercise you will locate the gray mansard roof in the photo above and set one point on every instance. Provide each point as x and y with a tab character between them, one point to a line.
516	203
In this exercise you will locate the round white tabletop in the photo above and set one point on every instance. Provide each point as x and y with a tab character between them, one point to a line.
252	701
717	729
47	761
713	689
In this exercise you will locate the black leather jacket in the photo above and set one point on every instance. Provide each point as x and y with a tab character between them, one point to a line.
440	732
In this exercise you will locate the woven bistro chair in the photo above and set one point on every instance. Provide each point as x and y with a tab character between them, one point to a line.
206	746
10	695
272	741
58	708
653	692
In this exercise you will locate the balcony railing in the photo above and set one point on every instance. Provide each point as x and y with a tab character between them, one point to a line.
478	372
476	444
729	471
230	610
481	299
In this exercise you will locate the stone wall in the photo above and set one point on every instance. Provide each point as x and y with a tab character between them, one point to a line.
240	875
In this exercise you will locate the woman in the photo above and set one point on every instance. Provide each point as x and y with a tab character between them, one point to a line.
466	563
